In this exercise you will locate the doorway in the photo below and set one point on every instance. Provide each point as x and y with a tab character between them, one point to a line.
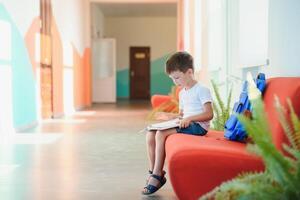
139	72
46	72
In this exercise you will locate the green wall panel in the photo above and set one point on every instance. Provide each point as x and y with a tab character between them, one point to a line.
23	82
123	83
160	81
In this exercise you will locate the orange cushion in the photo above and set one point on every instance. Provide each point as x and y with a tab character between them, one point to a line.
157	99
198	164
284	88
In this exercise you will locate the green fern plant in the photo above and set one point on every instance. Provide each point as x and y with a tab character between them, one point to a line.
221	111
281	178
170	106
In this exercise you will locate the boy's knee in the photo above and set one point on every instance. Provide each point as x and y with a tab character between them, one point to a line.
150	137
160	135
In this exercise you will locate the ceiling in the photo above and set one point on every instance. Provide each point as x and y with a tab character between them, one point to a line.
138	9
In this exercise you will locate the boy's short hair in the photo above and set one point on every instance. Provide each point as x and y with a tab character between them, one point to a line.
179	61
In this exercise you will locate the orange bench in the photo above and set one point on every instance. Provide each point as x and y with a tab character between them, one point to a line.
199	164
158	99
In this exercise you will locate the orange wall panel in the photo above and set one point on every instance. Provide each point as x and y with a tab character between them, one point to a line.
57	61
82	68
82	79
57	66
87	77
180	25
78	80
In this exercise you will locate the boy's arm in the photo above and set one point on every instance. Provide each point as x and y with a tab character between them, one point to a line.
205	116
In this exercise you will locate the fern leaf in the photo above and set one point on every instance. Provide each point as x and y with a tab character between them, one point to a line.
229	101
253	148
296	125
167	106
240	186
216	121
284	123
294	153
281	179
219	100
221	113
257	129
161	108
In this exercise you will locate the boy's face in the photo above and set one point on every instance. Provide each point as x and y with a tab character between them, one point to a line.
180	78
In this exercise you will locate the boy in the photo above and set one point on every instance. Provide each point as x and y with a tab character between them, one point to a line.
195	108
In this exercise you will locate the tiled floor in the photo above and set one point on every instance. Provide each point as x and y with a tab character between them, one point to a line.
95	154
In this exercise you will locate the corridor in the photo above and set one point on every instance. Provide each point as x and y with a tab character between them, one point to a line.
94	154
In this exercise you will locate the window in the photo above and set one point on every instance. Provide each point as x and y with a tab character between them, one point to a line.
5	41
253	33
216	34
6	120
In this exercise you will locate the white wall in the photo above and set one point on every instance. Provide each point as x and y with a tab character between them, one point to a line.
97	20
22	12
70	16
157	32
284	38
283	43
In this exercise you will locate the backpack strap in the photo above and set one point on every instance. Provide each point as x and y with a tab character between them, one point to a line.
233	128
261	81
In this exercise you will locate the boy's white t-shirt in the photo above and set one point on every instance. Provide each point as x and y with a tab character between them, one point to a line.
191	101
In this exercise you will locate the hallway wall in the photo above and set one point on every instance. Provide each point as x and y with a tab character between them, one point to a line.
21	24
283	46
160	83
159	33
76	51
284	40
283	43
23	106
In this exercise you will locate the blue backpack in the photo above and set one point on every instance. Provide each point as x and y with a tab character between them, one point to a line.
233	128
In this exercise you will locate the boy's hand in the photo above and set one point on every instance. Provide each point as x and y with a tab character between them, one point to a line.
184	123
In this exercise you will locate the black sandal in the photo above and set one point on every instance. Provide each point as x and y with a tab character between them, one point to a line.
151	188
150	173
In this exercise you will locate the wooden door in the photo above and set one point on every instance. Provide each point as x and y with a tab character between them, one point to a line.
139	72
46	75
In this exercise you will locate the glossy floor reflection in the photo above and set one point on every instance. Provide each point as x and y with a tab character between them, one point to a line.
95	154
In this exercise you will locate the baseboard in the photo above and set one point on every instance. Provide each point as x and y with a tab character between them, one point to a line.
26	127
123	98
80	108
58	115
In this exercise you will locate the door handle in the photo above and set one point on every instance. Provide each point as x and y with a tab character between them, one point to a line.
132	73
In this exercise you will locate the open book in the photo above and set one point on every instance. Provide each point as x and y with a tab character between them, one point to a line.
163	125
